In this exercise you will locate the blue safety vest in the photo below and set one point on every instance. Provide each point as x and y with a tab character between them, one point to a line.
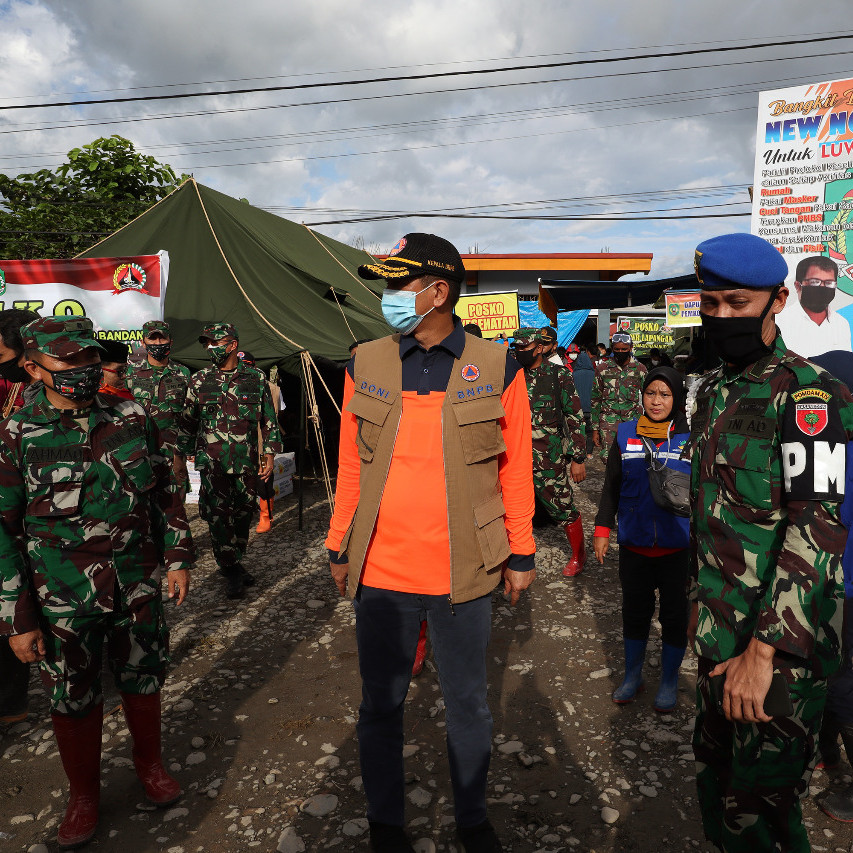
642	523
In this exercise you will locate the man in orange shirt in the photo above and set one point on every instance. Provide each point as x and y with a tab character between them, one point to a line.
434	507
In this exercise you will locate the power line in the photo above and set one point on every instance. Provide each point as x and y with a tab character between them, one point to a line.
28	127
614	218
539	66
796	36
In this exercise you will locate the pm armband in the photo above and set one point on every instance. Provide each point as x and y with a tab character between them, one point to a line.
814	447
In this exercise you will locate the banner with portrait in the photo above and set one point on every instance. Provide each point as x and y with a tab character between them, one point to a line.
803	204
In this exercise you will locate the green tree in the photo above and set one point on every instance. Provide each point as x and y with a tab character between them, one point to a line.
103	186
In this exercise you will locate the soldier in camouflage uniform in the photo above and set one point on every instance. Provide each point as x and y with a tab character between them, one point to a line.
89	513
559	439
616	393
160	385
768	443
226	403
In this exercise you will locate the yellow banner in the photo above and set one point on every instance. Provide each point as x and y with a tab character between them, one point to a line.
682	308
492	312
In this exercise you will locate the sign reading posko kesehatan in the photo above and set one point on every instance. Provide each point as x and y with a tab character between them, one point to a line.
492	312
117	294
646	332
803	205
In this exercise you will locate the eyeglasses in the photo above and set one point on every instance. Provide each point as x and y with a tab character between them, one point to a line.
818	282
620	338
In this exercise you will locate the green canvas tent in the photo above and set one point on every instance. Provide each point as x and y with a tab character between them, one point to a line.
285	287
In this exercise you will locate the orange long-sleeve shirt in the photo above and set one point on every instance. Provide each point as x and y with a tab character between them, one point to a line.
410	549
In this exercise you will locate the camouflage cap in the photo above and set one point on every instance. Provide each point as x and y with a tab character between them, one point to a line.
527	335
60	336
548	335
215	331
156	326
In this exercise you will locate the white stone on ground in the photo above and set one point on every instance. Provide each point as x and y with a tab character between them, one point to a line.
320	805
290	842
609	815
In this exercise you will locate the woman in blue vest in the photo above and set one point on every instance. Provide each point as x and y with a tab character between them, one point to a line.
653	542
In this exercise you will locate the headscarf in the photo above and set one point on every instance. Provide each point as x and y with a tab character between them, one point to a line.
677	419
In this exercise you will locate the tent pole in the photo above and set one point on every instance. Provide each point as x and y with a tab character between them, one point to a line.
303	437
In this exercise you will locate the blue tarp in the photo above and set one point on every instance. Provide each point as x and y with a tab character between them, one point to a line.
568	322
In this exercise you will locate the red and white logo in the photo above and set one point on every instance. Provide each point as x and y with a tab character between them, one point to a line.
812	418
401	244
470	373
129	277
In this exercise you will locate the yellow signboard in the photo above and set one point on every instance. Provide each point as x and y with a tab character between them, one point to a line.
682	308
492	312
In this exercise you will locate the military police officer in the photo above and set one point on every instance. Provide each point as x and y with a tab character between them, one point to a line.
226	403
89	513
616	393
559	439
160	385
768	438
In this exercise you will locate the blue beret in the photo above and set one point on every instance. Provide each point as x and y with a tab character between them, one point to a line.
738	260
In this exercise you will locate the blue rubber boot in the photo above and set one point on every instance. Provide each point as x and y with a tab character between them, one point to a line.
635	653
670	663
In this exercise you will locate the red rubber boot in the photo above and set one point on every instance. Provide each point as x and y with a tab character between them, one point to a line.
79	742
143	719
574	533
420	654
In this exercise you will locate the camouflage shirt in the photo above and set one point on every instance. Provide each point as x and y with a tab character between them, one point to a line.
85	504
556	412
617	394
162	392
221	419
768	453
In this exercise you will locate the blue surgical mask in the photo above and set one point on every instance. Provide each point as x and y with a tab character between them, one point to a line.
398	308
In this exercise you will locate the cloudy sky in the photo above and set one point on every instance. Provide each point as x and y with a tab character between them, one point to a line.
650	128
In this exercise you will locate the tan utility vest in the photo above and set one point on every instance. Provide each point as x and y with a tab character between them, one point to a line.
471	441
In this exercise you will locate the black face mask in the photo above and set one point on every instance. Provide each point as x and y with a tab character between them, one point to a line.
816	299
621	358
11	371
525	357
159	352
77	383
737	340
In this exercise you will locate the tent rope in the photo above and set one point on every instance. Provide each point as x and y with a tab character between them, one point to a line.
322	381
349	272
312	413
128	224
234	275
341	309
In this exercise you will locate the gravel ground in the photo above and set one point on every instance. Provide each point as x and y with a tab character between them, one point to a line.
259	723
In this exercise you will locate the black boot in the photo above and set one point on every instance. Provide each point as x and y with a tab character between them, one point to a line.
233	582
839	805
386	838
481	838
830	752
248	577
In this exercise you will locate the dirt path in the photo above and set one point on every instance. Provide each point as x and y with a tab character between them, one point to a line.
260	724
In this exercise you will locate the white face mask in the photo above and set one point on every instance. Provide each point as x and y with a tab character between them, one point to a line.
573	356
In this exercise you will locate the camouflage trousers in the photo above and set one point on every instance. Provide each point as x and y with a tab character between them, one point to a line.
552	483
751	777
226	502
137	653
608	435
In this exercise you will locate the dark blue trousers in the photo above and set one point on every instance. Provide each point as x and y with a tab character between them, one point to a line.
387	628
